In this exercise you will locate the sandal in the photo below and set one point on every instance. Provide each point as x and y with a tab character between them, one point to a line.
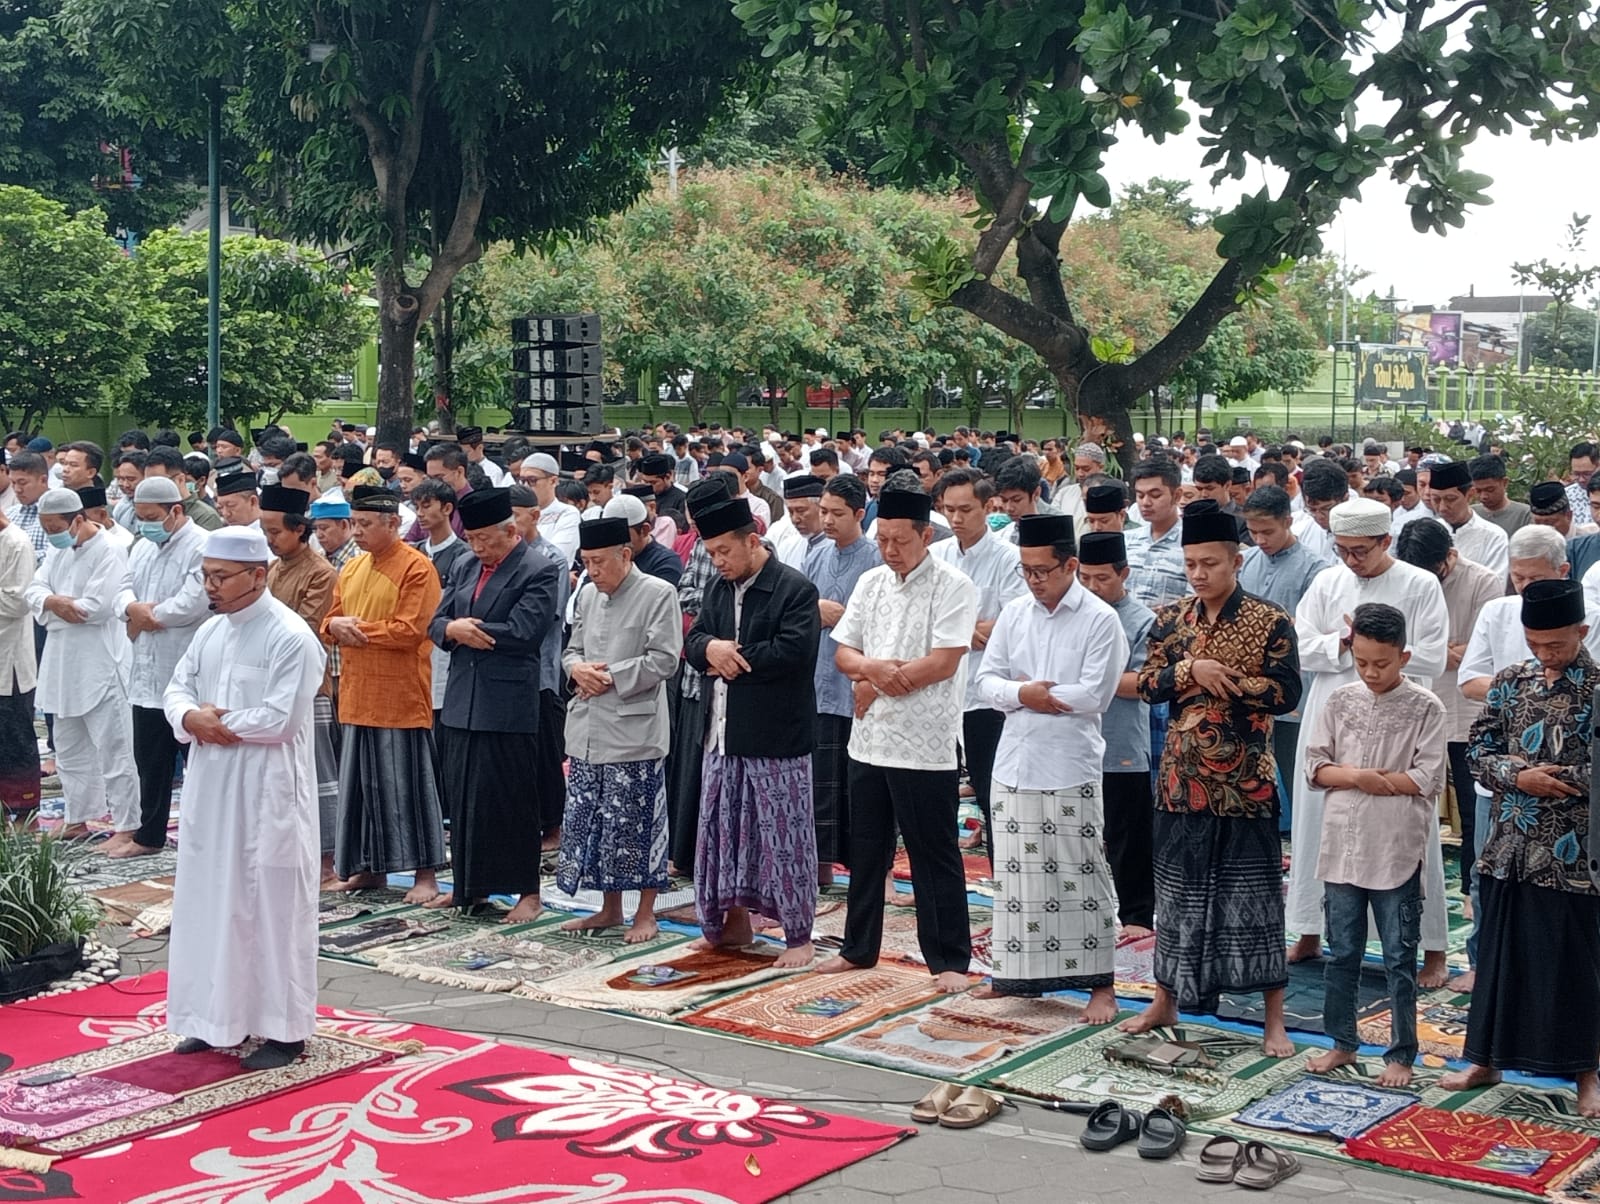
932	1106
1220	1160
1109	1126
971	1108
1265	1167
1162	1135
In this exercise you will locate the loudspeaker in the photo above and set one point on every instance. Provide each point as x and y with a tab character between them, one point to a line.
556	361
556	390
560	330
559	420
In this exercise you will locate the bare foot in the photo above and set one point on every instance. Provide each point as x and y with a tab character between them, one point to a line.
644	928
1307	948
951	981
736	929
1466	1080
1102	1007
441	901
1588	1095
1276	1042
1330	1060
330	877
423	892
837	965
72	832
896	898
984	991
1434	972
528	908
600	919
1464	982
1395	1075
796	958
971	840
132	848
1161	1012
551	842
357	882
1135	932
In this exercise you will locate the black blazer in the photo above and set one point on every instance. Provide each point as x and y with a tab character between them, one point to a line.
497	690
772	710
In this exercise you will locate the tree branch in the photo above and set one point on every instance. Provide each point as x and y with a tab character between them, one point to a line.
1056	341
461	245
1187	337
411	131
919	47
1040	268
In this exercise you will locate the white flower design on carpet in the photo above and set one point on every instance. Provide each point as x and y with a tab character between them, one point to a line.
606	1111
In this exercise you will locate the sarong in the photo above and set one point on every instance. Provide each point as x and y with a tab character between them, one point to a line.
494	813
390	818
19	755
830	788
757	846
1055	909
1536	1004
688	742
1219	907
615	834
327	759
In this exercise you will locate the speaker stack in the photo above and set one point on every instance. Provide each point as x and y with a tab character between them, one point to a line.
555	374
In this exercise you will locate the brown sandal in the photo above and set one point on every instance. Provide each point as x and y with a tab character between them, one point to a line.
971	1108
932	1106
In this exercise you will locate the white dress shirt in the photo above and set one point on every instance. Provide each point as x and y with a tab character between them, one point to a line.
17	665
1081	647
991	564
558	522
168	575
85	664
1484	543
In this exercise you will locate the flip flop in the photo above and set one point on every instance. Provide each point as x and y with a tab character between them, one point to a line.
1265	1167
1109	1126
929	1108
1162	1135
971	1108
1220	1160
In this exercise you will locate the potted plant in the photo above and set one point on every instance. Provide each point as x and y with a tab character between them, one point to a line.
44	918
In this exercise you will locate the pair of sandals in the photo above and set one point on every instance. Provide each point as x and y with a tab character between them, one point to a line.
1160	1133
957	1107
1252	1164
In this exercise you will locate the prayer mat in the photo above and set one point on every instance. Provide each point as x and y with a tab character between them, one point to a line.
358	936
1582	1186
657	986
1303	998
1093	1065
1479	1149
1135	974
899	932
813	1008
91	871
123	903
1327	1106
521	1125
1441	1023
1556	1107
153	920
976	866
593	900
957	1036
690	918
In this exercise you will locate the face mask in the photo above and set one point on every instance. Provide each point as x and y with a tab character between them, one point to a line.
999	522
386	472
154	532
60	539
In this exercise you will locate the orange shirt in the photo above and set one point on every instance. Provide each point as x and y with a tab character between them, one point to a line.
388	681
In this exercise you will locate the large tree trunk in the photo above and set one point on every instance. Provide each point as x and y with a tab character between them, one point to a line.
398	320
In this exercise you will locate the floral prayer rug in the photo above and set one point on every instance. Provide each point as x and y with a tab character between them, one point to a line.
1441	1023
660	985
812	1008
1557	1107
1582	1186
900	933
1327	1106
1480	1149
1135	974
1091	1065
958	1036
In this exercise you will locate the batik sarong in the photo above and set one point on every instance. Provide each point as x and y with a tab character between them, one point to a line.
327	760
757	846
390	816
614	837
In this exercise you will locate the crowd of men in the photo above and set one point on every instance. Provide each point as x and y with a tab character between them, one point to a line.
747	658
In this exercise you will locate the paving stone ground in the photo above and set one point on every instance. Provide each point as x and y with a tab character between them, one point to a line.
1022	1156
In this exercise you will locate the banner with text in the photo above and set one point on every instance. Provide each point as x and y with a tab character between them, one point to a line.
1392	375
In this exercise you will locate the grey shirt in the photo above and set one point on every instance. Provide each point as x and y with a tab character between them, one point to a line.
637	633
1126	726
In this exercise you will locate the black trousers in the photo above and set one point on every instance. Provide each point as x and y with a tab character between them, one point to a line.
155	756
1130	819
980	737
923	802
39	634
1284	738
550	781
1467	804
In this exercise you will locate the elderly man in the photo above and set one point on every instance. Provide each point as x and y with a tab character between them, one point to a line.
390	815
1226	663
649	557
800	529
1105	508
496	613
244	917
1536	1004
19	747
237	502
1052	666
162	608
83	673
1322	622
903	640
1476	538
756	640
626	638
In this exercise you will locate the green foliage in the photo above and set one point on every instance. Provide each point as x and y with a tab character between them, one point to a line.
39	905
1566	282
1568	343
1542	417
71	336
291	323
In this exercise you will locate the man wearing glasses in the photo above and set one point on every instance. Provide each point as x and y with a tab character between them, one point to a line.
1366	573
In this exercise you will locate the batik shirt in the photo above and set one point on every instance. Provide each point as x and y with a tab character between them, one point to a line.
1218	756
1527	721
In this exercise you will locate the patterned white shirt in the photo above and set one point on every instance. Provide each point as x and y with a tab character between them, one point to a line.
887	617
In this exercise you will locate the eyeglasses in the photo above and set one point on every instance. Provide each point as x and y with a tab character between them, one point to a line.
1030	572
1356	553
216	578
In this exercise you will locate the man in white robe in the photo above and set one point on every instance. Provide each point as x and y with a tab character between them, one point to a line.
83	673
244	926
1361	539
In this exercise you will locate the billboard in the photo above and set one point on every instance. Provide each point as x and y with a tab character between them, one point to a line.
1438	330
1392	375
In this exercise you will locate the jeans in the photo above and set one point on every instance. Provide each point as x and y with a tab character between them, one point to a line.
1398	914
1482	806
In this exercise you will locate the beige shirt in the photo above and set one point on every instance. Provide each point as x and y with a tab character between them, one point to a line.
1468	587
1377	841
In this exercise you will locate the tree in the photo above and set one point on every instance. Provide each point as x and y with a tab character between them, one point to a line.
1576	333
1566	282
1025	101
415	131
72	335
290	321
